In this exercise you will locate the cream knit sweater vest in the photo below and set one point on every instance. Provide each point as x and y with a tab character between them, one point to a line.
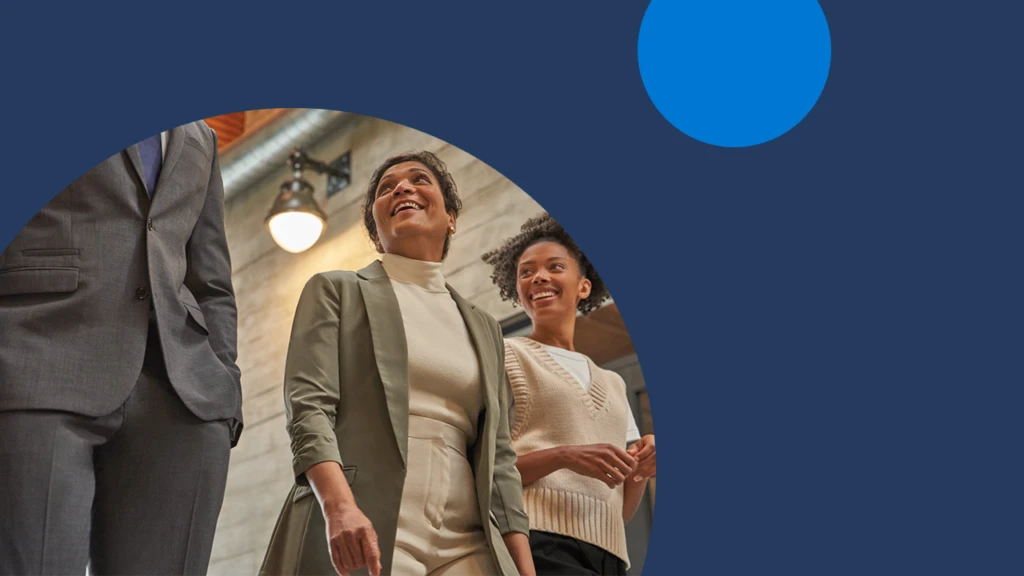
553	410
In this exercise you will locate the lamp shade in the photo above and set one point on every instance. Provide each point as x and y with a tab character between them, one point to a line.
295	220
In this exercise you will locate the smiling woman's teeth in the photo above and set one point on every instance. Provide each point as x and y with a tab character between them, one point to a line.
540	295
412	205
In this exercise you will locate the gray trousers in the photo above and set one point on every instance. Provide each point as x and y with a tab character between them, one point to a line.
136	491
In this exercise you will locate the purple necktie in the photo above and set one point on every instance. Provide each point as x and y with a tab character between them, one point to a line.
149	150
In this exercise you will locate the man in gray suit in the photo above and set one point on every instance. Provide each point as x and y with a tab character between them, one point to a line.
119	393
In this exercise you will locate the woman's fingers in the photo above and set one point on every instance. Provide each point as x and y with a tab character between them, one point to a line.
608	463
646	469
355	549
617	476
354	545
337	558
371	552
642	472
645	458
633	449
352	540
624	465
645	452
600	470
624	457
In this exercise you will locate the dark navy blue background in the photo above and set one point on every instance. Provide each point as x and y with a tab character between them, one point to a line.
830	324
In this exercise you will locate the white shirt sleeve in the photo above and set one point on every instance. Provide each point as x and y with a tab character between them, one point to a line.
632	432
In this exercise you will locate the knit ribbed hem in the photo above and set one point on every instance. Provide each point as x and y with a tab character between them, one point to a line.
577	516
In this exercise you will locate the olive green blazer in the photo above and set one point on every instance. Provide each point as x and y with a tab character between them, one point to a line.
347	400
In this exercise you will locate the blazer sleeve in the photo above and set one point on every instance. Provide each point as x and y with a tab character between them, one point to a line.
208	278
311	382
507	488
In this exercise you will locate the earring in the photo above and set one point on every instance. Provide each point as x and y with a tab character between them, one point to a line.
451	230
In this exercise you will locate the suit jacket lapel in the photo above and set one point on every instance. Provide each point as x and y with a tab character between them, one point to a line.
175	142
136	161
389	347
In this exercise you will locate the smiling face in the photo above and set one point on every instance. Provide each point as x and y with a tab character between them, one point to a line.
549	283
409	207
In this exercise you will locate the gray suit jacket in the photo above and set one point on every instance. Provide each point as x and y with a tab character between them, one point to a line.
347	399
77	284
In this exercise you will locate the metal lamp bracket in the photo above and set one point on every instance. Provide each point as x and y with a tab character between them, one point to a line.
338	171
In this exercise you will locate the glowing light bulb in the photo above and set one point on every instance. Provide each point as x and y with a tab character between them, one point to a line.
295	231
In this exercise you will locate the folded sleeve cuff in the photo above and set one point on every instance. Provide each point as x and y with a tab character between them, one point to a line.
312	443
510	514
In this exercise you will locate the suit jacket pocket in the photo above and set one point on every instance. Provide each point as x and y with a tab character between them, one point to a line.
49	252
302	491
197	315
38	280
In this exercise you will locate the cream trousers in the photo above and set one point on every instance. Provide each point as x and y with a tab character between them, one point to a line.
439	527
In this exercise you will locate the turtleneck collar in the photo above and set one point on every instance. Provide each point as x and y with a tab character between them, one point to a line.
426	275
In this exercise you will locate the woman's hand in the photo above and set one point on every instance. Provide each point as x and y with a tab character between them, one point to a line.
350	534
646	462
351	539
606	462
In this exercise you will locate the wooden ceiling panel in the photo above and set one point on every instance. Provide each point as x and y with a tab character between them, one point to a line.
229	127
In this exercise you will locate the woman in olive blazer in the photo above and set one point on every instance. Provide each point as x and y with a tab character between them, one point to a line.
348	405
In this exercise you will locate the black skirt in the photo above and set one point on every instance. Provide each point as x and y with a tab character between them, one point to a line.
557	555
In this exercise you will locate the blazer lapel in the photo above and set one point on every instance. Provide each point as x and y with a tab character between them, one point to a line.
480	333
483	341
175	143
389	347
136	161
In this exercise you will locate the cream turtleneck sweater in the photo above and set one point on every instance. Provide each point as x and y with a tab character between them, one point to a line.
444	373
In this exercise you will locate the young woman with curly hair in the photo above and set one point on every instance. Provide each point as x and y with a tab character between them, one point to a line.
570	419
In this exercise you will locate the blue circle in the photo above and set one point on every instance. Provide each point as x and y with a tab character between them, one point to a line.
734	72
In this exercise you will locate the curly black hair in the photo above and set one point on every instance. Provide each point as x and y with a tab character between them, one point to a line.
543	228
450	193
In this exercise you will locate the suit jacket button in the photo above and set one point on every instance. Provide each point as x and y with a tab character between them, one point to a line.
150	224
142	293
